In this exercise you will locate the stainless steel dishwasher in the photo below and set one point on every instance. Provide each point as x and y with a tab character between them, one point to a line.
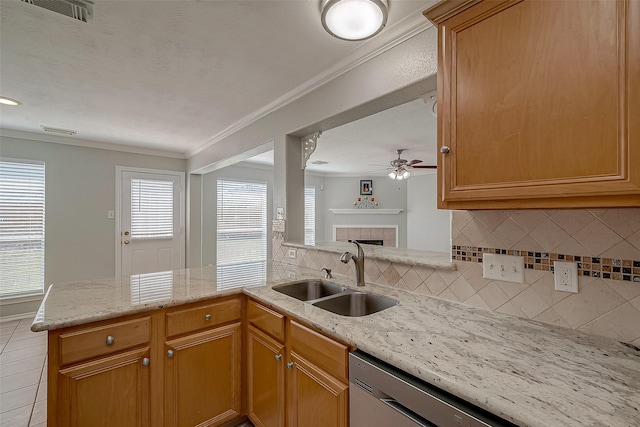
383	396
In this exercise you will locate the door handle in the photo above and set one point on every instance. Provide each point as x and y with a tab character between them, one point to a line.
407	413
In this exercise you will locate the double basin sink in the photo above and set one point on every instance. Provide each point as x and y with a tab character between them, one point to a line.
335	298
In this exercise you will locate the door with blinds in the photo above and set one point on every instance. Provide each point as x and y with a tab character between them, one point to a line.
151	222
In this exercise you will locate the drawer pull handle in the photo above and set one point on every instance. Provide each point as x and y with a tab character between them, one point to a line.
145	361
278	357
169	354
290	365
207	317
444	149
110	340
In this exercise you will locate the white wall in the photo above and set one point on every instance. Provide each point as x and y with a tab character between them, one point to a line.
80	189
242	172
341	192
430	227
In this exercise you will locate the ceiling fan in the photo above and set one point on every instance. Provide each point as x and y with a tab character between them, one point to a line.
400	167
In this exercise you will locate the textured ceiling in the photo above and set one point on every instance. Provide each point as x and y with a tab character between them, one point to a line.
366	146
167	75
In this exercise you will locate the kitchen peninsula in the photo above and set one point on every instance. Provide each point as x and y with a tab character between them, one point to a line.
524	371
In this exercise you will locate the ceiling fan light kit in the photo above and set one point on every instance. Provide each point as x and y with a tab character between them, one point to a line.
354	19
399	174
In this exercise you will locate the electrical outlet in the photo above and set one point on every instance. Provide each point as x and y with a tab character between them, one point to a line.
292	253
565	276
507	268
111	214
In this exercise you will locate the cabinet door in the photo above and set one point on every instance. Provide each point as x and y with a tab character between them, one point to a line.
202	378
265	380
113	391
314	398
537	102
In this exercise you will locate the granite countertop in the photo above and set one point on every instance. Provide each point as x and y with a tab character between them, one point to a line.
527	372
430	259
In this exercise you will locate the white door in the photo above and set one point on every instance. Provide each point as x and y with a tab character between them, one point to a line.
151	222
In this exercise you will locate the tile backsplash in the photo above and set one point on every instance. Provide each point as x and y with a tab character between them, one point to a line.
603	306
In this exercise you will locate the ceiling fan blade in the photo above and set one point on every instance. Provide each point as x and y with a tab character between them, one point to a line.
425	167
413	162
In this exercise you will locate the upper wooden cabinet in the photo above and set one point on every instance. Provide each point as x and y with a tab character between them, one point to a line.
538	103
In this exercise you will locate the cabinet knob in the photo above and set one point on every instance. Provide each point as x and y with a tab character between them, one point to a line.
110	340
278	357
207	317
444	149
145	361
169	354
290	365
126	242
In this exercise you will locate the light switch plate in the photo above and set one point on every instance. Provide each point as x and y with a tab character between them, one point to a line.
292	253
507	268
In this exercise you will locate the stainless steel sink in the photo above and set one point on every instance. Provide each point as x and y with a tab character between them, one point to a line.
307	290
355	304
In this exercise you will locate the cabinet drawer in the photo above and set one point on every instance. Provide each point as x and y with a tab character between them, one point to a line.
202	317
102	340
326	353
266	320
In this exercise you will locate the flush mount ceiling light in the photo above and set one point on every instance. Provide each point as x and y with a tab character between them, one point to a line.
354	19
9	101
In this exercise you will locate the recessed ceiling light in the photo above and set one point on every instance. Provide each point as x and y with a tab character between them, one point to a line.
9	101
354	19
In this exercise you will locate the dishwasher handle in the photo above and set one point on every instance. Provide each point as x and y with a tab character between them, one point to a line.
395	405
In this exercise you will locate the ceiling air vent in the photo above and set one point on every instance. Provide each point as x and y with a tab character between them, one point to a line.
82	10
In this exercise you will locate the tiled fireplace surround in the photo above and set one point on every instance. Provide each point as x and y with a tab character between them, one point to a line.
605	307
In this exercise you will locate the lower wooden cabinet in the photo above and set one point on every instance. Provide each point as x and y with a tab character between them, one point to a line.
179	367
315	398
111	391
313	372
265	379
203	378
183	367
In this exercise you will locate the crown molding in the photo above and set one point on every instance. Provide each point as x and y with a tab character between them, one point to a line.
56	139
394	35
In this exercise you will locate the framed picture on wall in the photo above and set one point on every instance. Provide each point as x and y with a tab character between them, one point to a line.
366	188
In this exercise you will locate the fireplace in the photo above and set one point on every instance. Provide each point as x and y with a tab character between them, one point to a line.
381	235
376	242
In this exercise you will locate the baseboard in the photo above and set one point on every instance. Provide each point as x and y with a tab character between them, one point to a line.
17	317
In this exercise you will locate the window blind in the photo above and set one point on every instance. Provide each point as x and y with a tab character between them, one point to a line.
241	231
310	215
22	196
151	209
150	287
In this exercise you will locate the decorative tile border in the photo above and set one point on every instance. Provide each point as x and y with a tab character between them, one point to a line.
606	268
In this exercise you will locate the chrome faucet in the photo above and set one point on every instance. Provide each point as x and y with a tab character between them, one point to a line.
327	273
358	260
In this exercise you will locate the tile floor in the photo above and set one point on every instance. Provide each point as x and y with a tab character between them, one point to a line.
23	375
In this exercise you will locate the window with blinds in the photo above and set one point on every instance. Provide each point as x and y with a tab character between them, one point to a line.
241	233
22	198
310	215
151	209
